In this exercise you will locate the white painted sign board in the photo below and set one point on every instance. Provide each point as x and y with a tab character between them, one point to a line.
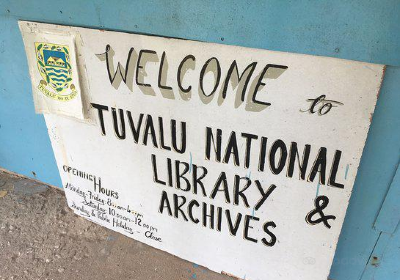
237	159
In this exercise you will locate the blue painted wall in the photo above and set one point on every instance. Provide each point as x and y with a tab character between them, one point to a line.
358	30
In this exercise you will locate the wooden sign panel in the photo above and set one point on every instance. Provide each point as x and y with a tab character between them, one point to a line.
237	159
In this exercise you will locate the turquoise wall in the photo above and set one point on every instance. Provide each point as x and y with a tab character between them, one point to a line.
358	30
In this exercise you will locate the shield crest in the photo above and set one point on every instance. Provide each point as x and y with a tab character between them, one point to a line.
53	61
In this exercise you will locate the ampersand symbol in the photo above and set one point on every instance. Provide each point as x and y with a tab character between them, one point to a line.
320	204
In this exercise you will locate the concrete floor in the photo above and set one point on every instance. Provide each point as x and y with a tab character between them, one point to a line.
41	238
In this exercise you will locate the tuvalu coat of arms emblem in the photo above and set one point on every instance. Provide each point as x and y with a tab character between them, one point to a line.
53	61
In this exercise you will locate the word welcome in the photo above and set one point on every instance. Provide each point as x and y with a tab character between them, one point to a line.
249	81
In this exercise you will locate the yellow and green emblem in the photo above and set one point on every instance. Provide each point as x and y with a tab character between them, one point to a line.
53	61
